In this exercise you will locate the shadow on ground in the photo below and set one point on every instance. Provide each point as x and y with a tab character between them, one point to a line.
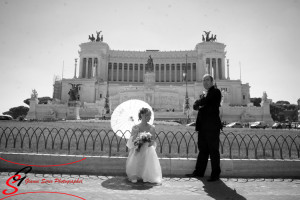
121	183
220	191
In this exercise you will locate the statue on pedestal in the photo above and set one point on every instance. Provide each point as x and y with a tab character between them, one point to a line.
34	94
98	36
208	38
264	98
74	92
98	39
214	38
150	65
207	35
92	38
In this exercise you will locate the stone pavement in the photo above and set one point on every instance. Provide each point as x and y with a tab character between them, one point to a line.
118	187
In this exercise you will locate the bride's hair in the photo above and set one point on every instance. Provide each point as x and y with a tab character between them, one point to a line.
143	111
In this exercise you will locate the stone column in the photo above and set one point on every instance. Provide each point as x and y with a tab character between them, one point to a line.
191	64
144	69
181	73
139	66
217	69
98	67
133	72
164	73
112	72
159	73
80	68
228	77
127	72
117	71
93	68
207	71
122	72
154	70
211	67
170	72
220	68
86	68
175	73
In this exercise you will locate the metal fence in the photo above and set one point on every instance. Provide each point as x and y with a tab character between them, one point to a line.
169	144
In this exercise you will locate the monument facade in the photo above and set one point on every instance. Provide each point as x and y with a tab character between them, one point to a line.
109	77
128	75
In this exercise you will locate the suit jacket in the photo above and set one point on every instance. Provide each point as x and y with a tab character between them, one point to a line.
208	110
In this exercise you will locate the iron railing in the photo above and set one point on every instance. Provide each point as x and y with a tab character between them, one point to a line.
169	144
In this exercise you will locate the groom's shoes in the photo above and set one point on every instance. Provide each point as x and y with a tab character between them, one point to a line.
213	179
194	175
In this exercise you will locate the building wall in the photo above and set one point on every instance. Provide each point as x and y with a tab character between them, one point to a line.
102	72
96	57
99	64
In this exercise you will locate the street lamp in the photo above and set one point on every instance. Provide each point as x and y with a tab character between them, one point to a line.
106	106
186	103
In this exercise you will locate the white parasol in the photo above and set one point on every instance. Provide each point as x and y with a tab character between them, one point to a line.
125	116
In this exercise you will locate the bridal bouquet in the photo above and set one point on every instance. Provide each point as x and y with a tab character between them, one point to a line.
142	139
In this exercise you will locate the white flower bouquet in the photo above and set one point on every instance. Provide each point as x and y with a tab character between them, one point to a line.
142	139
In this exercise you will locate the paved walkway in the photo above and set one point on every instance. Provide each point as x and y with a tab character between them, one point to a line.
119	188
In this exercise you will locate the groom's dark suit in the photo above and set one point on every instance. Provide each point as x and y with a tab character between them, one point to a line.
208	125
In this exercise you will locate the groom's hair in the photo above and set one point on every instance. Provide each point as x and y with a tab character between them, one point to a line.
210	76
143	111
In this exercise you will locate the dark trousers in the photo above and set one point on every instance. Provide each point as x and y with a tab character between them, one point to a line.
208	145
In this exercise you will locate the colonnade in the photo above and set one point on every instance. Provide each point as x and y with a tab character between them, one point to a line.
128	72
214	67
89	68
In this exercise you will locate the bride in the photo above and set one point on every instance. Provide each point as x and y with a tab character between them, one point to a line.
142	162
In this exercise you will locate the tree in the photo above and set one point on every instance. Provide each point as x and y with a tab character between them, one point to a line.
281	110
282	102
256	101
16	112
26	101
42	100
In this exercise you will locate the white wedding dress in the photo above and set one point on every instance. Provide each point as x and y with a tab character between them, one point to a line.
143	164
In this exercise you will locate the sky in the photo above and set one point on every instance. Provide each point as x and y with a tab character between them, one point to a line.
39	39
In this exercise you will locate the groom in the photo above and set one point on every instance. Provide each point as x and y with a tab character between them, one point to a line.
208	126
